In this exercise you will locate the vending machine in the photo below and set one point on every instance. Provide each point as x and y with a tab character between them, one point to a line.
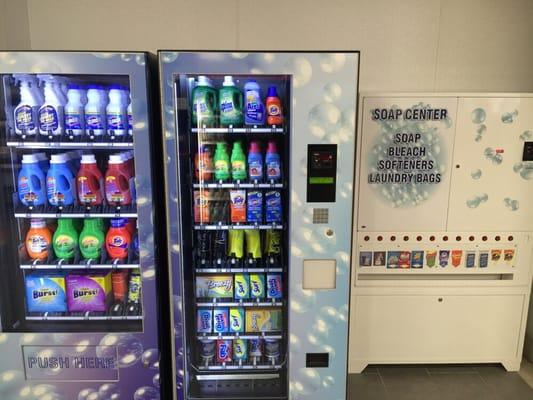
78	306
259	160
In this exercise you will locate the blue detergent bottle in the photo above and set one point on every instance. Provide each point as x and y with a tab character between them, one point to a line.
31	182
253	104
60	182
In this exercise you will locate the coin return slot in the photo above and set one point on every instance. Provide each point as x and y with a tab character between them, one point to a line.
317	360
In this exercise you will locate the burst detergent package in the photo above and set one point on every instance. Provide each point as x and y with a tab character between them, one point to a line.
236	319
204	321
239	349
220	320
273	206
242	286
89	291
45	293
274	286
214	286
254	212
263	320
417	259
238	205
257	286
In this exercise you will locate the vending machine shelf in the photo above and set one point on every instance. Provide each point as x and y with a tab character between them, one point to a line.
88	265
247	130
84	317
70	145
76	211
227	336
236	270
238	185
239	303
236	366
226	227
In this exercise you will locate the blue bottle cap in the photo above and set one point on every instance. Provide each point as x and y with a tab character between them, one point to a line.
73	86
272	91
118	222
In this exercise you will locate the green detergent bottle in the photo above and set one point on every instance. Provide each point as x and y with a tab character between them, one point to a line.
230	101
65	239
204	102
238	163
91	239
221	161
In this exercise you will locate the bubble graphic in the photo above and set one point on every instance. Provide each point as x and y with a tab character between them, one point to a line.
323	119
478	115
328	381
493	156
239	56
508	117
146	393
127	57
150	359
302	300
128	347
168	57
476	174
269	57
3	338
140	60
156	380
511	204
481	129
308	381
332	62
301	70
104	55
476	201
526	135
85	393
332	92
527	172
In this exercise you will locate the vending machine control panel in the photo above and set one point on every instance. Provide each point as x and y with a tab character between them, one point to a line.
321	173
528	151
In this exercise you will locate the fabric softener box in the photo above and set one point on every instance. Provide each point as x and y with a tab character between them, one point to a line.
45	293
89	292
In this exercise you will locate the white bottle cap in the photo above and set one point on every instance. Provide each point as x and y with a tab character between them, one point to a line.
29	158
38	223
88	159
58	158
115	159
40	156
228	81
204	81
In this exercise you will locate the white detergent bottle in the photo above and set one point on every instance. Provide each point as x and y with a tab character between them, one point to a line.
26	112
95	120
129	111
75	111
117	118
51	120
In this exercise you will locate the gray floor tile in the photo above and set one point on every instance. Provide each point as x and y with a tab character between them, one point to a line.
402	371
411	388
462	386
508	385
366	387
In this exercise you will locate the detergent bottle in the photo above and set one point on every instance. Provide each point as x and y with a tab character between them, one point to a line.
129	111
65	239
117	187
253	104
90	182
91	239
117	117
95	117
273	107
38	239
60	182
51	119
31	182
238	163
74	110
118	239
255	162
26	112
273	163
222	162
203	163
230	103
204	101
44	164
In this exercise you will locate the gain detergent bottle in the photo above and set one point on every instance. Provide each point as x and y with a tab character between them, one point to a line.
230	102
204	101
65	239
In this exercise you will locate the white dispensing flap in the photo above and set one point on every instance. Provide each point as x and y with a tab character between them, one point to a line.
319	274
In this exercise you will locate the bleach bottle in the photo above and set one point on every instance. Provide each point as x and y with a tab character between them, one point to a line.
129	111
254	113
117	117
204	101
273	163
26	112
255	162
51	120
60	182
95	118
75	110
31	182
230	103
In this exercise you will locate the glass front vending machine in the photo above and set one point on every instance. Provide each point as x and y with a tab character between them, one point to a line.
259	167
79	316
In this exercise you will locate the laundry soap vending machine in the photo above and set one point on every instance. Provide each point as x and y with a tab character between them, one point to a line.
79	316
444	229
259	156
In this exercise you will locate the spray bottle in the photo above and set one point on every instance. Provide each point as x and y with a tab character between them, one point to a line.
25	113
51	120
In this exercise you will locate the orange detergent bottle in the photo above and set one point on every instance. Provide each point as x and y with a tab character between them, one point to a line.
273	107
118	239
38	239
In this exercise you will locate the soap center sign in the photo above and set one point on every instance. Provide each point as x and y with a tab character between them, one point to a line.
407	159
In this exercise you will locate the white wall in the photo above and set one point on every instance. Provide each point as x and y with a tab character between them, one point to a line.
445	45
14	28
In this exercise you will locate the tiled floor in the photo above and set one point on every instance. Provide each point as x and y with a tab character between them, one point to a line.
427	382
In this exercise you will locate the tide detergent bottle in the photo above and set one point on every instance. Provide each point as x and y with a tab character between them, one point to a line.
38	239
253	104
31	182
118	239
51	119
26	112
204	101
273	107
60	182
90	182
230	103
117	186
